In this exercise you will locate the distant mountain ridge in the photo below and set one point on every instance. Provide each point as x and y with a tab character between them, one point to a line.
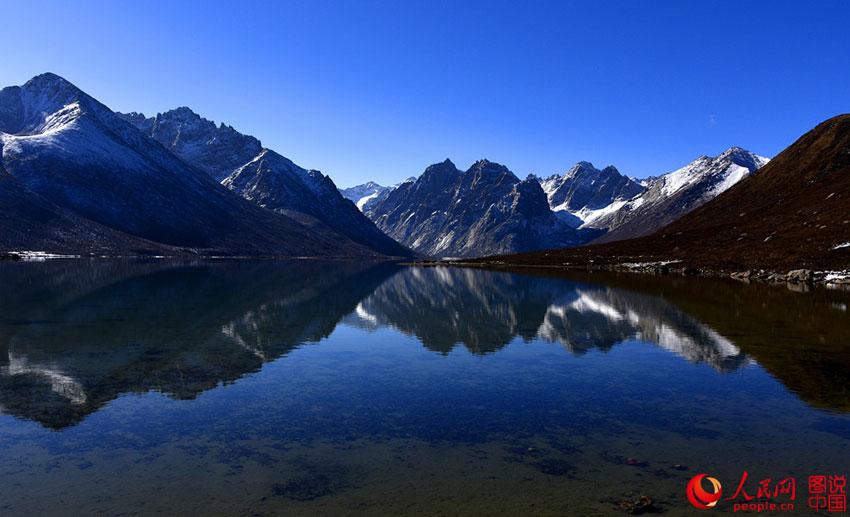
368	195
442	214
258	174
585	191
670	196
485	210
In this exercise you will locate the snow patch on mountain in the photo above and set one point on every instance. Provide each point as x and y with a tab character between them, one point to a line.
369	194
669	196
365	199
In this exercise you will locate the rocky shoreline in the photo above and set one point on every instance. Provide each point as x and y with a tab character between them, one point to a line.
796	279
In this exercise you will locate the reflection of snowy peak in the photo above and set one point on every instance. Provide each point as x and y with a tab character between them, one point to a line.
485	311
243	314
60	384
644	318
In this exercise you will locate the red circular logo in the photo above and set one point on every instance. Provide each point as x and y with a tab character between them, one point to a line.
699	496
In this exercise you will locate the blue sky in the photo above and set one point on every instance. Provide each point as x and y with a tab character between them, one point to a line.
379	90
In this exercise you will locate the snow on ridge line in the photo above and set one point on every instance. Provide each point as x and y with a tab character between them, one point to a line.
39	256
635	265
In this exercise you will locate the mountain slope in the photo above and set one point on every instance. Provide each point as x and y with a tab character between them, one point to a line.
672	195
72	150
29	222
484	210
795	213
262	176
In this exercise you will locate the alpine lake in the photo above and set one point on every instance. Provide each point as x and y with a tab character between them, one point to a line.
334	388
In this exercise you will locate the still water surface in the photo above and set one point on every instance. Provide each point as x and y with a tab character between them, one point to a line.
305	388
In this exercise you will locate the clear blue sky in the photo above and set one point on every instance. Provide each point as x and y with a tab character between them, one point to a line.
378	90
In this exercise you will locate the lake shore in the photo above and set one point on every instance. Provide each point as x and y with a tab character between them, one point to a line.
793	278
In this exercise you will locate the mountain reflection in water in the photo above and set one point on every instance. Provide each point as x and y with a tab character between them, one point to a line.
76	335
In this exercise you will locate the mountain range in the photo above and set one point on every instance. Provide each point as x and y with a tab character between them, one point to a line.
105	187
670	196
262	176
482	211
78	178
488	210
793	213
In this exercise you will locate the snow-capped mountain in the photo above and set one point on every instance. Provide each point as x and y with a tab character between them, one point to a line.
588	193
71	150
623	207
369	194
485	210
488	210
670	196
168	182
365	194
789	215
262	176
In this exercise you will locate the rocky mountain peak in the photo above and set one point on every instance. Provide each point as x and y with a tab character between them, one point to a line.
181	113
25	109
217	150
529	198
579	167
486	167
134	117
584	187
742	157
50	81
441	169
